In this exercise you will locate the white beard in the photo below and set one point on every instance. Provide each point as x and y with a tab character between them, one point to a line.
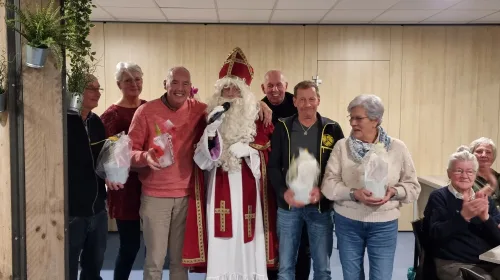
239	121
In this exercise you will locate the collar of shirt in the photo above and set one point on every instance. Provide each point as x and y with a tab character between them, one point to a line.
458	195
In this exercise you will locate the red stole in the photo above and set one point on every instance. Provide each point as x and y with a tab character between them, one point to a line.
194	252
222	210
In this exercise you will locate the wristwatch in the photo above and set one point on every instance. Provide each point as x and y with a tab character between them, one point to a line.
351	194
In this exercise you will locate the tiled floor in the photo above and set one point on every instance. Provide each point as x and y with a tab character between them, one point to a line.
403	260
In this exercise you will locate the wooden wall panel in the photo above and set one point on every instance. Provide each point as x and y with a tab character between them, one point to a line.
354	43
344	80
44	161
450	91
156	48
266	47
310	53
5	182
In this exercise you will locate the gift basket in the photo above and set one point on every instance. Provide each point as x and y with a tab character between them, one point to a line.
113	162
303	175
163	146
376	170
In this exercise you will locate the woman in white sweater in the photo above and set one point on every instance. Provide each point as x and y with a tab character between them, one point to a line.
362	219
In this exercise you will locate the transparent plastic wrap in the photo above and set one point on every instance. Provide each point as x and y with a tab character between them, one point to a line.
163	146
302	176
113	162
376	171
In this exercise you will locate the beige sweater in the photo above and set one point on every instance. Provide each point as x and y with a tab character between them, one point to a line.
343	173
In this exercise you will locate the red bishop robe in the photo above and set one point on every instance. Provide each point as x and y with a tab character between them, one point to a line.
194	255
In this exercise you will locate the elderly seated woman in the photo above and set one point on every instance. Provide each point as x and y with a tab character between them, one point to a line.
462	224
366	220
486	152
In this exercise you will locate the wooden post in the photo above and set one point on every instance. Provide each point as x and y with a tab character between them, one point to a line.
5	180
44	168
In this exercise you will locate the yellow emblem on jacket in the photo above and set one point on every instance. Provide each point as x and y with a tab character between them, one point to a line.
327	140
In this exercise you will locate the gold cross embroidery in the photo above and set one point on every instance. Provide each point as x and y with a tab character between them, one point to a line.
222	211
249	216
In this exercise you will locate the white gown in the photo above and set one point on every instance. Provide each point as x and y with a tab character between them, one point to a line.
231	258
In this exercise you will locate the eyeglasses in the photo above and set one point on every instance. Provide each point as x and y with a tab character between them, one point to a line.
460	171
94	89
357	119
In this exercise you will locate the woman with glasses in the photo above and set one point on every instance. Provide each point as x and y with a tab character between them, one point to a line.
365	219
124	201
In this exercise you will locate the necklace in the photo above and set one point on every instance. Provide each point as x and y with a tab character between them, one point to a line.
306	130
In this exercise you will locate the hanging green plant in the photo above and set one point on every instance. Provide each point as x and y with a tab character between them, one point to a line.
79	49
42	30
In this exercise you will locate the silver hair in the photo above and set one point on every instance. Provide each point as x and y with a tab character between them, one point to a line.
371	103
170	73
123	67
463	154
483	141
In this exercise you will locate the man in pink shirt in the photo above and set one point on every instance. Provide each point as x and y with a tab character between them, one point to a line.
165	191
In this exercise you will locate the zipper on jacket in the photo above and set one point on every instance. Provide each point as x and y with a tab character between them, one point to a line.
289	153
87	128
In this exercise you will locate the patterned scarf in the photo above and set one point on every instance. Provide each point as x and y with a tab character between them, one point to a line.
359	149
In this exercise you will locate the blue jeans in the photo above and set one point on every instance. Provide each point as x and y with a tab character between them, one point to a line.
378	238
320	230
87	242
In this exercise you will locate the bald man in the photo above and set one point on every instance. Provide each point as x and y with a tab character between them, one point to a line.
281	103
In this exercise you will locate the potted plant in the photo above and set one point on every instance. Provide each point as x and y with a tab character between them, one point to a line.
3	82
81	58
42	30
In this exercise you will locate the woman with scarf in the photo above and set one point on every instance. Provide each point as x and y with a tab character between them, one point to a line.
369	176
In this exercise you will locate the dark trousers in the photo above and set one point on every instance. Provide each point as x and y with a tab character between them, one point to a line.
130	243
303	266
87	243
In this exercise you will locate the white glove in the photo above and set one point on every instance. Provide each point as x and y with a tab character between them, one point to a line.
240	150
212	128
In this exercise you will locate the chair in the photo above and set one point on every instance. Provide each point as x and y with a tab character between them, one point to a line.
424	265
468	274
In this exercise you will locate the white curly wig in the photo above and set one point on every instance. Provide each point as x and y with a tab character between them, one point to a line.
239	120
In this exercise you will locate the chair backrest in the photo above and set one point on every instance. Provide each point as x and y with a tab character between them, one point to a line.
423	260
468	274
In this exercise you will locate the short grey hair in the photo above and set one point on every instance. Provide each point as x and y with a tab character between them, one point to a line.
371	103
483	141
170	73
123	67
463	154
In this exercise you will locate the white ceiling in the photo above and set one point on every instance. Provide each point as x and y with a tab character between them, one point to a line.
301	11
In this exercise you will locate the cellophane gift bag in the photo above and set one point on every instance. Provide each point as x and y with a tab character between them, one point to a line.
113	162
164	149
376	170
303	175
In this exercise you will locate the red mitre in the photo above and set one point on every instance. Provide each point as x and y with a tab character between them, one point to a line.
236	65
